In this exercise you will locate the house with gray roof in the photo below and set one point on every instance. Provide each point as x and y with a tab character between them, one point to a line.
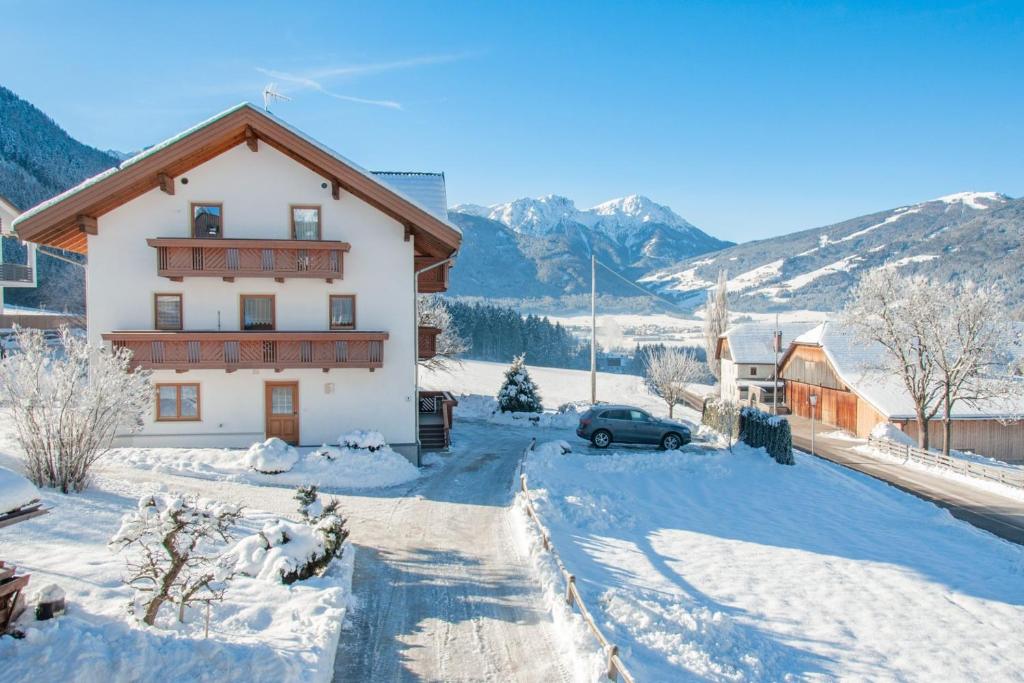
746	356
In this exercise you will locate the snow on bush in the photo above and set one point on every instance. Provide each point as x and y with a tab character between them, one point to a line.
519	394
273	456
363	440
771	432
723	417
15	490
477	407
171	545
67	403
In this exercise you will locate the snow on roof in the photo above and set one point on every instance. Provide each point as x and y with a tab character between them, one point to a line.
752	342
199	126
427	189
15	491
857	362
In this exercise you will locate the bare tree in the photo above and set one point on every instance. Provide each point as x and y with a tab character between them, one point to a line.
432	311
669	371
174	543
970	341
68	402
716	320
897	313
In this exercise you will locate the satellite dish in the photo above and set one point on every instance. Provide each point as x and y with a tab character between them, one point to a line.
270	94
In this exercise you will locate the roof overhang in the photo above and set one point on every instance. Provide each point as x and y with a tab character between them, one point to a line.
66	220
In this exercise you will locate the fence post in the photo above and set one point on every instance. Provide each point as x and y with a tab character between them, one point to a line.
570	583
613	651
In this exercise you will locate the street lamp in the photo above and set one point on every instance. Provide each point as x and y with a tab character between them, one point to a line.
813	400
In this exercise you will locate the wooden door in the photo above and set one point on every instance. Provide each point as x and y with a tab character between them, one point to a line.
282	411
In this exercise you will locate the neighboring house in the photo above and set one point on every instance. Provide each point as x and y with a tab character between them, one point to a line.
746	357
267	282
20	273
831	363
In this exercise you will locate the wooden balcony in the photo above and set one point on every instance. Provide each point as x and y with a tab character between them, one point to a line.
432	281
178	258
230	351
428	342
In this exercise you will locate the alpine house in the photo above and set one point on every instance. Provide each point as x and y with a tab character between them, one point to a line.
268	283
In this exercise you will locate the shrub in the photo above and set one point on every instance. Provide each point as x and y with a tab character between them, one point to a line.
363	440
272	456
724	417
770	432
519	394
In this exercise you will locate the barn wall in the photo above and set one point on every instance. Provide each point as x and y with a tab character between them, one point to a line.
985	437
809	365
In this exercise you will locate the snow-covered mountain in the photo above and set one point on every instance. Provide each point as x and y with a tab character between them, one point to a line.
551	239
975	235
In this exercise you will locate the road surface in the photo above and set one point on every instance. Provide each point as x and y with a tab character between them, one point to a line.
1000	515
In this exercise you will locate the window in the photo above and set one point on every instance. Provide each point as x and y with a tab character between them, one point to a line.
208	221
343	312
177	402
753	371
306	222
257	312
167	311
638	416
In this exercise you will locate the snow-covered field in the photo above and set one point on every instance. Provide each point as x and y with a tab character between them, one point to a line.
713	565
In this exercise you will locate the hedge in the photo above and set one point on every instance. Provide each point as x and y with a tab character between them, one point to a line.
771	432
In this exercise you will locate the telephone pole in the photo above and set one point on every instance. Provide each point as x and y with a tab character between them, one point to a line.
593	329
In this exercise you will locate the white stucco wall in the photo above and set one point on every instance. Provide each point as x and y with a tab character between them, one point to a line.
256	190
733	373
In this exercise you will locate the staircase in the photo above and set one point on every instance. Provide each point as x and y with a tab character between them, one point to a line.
433	436
435	419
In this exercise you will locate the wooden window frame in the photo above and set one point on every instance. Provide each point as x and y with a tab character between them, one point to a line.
181	311
178	417
319	220
330	305
192	219
241	310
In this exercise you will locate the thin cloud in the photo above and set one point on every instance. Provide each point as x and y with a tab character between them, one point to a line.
314	80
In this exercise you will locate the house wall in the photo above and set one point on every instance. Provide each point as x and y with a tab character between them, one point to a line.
986	437
256	190
734	373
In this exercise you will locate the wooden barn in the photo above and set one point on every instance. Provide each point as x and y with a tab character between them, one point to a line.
829	362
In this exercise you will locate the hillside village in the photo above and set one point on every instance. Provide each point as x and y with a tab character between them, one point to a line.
269	414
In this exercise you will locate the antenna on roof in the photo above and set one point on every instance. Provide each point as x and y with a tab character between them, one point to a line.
270	94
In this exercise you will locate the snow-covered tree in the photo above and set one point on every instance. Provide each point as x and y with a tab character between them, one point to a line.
432	311
668	371
716	320
68	402
519	394
898	314
174	546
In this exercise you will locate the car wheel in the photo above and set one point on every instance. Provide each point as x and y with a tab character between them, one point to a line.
671	442
601	438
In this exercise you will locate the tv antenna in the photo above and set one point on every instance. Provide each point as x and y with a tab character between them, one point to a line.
270	94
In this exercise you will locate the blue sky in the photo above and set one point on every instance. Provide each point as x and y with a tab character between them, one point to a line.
749	119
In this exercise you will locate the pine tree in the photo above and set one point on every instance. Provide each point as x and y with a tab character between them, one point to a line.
519	394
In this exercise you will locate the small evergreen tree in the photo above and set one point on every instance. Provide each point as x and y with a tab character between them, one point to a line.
519	394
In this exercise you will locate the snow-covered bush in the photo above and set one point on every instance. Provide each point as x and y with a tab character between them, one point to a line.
273	456
723	417
668	371
288	551
771	432
67	402
362	440
519	394
310	505
172	545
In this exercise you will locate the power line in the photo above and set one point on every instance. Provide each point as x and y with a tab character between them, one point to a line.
638	287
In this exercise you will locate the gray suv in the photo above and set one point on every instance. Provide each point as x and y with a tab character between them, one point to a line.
604	424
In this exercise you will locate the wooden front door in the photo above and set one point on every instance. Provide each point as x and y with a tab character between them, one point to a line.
282	411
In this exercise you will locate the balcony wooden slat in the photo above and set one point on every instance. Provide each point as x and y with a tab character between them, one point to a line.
428	342
179	258
434	280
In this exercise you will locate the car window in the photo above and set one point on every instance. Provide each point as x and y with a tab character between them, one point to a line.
617	415
638	416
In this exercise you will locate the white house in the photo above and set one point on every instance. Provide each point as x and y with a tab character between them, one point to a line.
746	356
267	282
13	273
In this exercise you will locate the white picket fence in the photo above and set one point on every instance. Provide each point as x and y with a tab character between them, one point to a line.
977	470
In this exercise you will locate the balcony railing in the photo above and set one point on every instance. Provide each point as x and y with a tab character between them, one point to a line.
428	342
232	351
178	258
434	280
15	273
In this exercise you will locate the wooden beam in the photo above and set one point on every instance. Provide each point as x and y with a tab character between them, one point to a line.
87	224
166	183
251	139
408	232
336	189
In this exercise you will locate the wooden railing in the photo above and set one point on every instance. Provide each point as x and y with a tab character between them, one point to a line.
434	280
178	258
428	342
232	351
977	470
615	668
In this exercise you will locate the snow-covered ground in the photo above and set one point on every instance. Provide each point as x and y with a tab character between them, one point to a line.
713	565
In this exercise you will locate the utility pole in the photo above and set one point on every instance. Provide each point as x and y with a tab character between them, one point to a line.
593	329
813	400
777	345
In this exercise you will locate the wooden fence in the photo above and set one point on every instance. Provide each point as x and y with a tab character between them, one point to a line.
976	470
615	668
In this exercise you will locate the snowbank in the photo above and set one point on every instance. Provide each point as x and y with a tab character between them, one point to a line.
327	467
359	439
273	456
15	490
261	632
279	549
476	407
890	432
724	566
